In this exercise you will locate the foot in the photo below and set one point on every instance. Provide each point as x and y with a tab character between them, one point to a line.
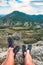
23	50
10	42
29	47
16	49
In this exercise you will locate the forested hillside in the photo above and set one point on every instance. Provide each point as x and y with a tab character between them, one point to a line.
22	17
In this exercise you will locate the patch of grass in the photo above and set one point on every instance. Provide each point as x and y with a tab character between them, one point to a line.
3	45
29	40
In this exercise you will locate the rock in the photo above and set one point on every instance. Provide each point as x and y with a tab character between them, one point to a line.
3	54
39	43
38	62
0	50
36	52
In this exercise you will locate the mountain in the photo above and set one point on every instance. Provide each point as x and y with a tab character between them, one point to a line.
2	16
22	17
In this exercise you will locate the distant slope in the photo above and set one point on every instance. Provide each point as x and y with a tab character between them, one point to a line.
22	17
2	16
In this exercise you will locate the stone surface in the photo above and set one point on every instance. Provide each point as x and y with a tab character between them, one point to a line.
36	52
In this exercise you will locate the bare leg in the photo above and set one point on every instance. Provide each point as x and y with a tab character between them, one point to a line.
10	58
28	59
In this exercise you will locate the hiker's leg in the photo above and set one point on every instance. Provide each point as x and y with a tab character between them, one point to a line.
28	59
10	58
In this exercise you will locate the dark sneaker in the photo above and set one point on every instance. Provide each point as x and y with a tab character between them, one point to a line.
10	42
16	49
23	49
29	47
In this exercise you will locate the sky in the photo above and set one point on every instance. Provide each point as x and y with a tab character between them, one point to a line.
26	6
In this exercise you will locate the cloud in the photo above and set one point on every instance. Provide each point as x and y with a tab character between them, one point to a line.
23	7
3	3
26	6
19	1
39	3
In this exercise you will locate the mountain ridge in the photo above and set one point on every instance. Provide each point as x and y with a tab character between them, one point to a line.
2	16
22	17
